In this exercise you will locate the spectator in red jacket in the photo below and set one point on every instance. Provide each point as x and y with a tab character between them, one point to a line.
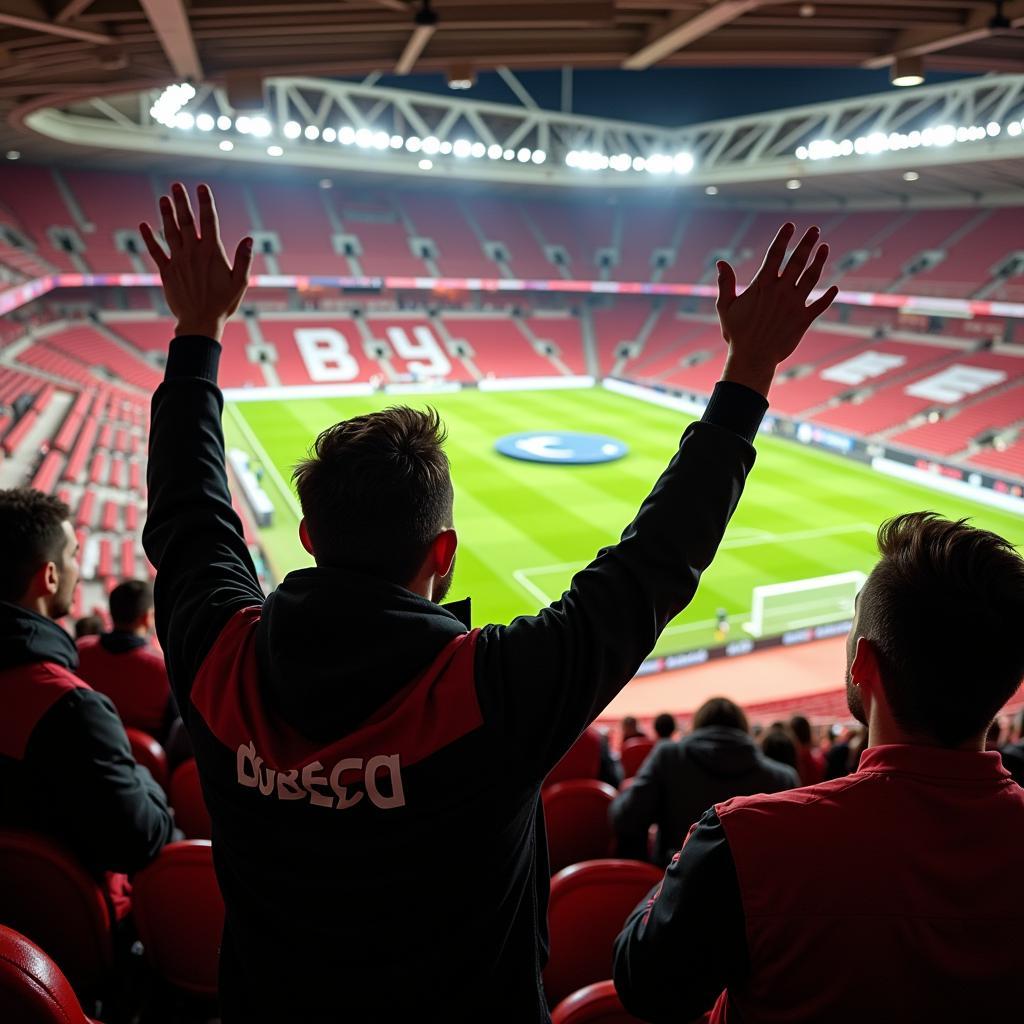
66	768
810	763
881	895
124	665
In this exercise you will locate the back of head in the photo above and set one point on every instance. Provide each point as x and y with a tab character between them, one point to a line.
376	491
88	625
801	730
664	726
130	602
943	610
31	534
778	744
721	712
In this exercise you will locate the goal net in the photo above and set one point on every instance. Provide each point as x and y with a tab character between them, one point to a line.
779	607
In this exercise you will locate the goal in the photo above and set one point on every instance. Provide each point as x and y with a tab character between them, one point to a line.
779	607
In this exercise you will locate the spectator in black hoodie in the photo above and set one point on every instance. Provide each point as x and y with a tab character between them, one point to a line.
372	765
66	768
680	780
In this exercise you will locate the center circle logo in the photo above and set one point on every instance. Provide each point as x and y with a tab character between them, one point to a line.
567	447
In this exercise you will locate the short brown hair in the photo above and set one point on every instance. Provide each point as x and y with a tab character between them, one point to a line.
376	490
31	534
722	712
943	609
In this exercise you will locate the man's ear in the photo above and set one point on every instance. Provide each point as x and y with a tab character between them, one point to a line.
864	669
304	536
49	578
443	550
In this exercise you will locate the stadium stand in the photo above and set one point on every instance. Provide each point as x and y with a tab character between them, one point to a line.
617	324
564	332
440	220
34	198
499	222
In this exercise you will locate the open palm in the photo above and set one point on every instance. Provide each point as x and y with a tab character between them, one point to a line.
202	288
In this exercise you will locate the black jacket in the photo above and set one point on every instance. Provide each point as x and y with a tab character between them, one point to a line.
423	892
66	768
680	780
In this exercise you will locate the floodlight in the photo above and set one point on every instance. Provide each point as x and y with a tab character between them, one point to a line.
907	71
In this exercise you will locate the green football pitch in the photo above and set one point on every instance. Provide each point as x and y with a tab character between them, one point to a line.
525	528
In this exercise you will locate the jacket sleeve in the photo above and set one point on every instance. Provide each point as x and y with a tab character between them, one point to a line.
204	572
542	679
637	808
686	942
110	808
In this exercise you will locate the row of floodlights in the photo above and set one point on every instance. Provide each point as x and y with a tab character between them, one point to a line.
656	163
889	142
346	135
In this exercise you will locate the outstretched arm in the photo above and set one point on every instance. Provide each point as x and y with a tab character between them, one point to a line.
542	679
192	534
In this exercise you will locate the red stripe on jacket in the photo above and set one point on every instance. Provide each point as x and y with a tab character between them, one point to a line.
27	692
434	710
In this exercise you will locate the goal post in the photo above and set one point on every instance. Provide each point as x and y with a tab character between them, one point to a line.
778	607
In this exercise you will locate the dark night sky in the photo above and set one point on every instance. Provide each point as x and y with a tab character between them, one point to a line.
676	96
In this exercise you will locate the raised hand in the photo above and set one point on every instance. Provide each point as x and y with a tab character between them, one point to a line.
765	323
201	287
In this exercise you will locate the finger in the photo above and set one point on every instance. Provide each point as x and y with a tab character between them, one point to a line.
208	225
810	277
726	285
170	222
183	211
154	248
773	257
242	263
801	254
815	309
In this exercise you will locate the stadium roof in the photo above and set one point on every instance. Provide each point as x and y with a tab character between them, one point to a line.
85	46
85	72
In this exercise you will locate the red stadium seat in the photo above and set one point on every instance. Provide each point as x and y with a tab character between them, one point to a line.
589	905
634	752
583	760
32	988
186	796
595	1004
577	821
179	914
148	752
47	895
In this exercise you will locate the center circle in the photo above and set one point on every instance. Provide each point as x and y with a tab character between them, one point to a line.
564	447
